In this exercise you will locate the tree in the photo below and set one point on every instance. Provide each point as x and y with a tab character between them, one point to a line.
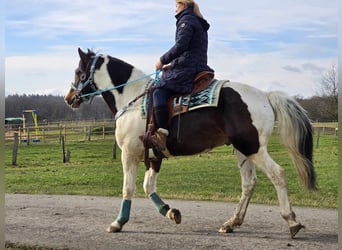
329	93
53	108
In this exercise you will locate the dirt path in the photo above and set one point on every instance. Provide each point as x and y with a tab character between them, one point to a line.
79	222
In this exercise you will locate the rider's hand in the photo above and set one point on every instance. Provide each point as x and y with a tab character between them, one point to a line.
159	65
166	66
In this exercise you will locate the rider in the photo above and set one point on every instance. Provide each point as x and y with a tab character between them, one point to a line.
181	64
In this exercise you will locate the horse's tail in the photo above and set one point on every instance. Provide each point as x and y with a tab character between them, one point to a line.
296	133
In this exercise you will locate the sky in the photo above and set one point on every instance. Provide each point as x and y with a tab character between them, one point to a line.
271	45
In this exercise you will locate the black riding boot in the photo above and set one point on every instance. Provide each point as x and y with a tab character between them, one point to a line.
161	115
162	119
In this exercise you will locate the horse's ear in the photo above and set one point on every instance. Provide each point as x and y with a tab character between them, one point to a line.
83	55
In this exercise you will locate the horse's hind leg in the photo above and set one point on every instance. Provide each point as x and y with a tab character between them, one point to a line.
248	183
130	170
150	183
277	176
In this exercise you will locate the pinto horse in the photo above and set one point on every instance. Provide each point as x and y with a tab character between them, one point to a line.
244	118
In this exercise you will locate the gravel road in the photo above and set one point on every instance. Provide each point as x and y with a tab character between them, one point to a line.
79	222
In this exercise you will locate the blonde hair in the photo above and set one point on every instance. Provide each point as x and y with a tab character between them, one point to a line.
191	3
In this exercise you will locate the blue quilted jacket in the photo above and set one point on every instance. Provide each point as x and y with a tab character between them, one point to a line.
189	54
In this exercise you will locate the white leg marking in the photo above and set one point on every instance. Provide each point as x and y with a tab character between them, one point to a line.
130	171
150	181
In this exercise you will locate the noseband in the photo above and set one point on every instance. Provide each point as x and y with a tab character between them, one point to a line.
90	81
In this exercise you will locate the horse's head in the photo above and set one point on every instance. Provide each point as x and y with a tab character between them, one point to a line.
103	75
83	86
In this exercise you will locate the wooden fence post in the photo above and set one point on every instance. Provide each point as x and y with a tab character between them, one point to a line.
103	131
63	148
318	134
60	134
89	133
15	149
66	155
28	137
20	134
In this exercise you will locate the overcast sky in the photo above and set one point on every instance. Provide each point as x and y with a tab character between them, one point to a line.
272	45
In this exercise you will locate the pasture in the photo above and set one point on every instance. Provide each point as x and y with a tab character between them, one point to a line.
213	176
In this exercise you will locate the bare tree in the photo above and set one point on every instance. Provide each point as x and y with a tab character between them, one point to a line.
329	83
329	93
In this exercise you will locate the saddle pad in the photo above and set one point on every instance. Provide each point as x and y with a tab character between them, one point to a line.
208	97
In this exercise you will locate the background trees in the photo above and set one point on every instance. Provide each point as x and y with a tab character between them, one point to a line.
323	107
53	108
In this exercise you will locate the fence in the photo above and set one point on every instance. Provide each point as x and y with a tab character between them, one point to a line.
99	130
71	131
94	130
327	128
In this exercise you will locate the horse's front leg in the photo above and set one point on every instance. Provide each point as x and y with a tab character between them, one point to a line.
130	169
150	184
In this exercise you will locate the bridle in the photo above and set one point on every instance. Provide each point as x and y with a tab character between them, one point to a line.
84	83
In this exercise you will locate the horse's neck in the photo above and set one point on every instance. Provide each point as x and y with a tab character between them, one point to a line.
134	81
136	85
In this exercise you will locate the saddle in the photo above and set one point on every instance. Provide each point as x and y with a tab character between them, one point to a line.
201	81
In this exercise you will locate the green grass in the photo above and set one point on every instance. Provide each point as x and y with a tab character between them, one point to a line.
214	176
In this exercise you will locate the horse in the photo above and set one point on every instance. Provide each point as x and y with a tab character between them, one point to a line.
244	117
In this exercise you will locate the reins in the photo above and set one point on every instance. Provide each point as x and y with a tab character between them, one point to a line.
100	91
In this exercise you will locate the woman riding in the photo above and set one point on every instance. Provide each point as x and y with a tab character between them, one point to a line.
184	60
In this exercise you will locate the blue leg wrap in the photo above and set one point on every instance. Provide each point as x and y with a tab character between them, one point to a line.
125	210
159	204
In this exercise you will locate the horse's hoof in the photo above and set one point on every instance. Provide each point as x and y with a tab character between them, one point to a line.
174	215
226	229
295	229
114	228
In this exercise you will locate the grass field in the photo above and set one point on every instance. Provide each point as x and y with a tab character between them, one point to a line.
214	176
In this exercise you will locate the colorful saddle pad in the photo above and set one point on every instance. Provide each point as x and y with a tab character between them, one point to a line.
208	97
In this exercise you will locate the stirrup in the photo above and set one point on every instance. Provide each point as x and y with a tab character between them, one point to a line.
159	139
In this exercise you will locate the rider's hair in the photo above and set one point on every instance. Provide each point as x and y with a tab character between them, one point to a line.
191	3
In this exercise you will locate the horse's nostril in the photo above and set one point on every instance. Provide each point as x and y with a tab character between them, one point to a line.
69	101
